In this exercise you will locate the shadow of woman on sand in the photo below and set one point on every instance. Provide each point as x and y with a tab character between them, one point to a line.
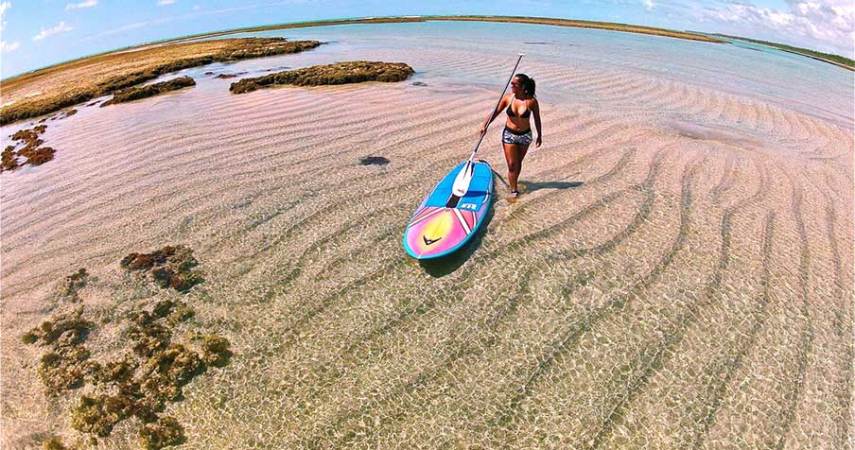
531	186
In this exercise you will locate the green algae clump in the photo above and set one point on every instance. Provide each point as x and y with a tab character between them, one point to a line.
135	384
136	93
215	350
54	443
165	432
67	364
74	283
65	369
175	365
338	73
98	415
173	311
69	328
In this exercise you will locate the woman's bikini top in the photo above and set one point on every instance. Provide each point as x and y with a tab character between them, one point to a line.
511	112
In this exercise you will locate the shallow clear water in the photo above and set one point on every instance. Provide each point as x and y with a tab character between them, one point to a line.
789	80
684	233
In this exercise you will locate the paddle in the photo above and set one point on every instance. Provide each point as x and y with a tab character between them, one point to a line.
464	177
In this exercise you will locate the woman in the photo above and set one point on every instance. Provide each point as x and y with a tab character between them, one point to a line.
516	137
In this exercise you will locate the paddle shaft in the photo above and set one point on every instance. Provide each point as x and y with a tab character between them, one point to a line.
493	111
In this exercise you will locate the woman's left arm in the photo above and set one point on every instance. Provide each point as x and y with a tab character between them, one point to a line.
535	107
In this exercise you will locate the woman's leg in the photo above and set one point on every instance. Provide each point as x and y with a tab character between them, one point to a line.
514	155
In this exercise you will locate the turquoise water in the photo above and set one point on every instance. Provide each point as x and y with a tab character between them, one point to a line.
784	79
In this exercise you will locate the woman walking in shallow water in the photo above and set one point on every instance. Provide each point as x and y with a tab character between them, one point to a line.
520	104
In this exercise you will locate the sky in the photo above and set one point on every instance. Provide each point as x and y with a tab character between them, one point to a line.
39	33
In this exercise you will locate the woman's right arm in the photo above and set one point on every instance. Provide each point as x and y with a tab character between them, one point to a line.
502	104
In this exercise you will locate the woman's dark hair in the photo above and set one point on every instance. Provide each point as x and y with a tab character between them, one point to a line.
527	83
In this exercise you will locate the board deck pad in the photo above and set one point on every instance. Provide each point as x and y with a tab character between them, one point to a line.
436	230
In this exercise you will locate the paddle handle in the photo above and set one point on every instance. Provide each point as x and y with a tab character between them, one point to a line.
499	102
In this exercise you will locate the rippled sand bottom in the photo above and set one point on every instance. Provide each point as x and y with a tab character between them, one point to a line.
683	279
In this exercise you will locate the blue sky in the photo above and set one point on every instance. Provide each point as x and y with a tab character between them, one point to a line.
37	33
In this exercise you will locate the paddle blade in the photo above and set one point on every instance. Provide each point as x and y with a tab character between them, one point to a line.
464	177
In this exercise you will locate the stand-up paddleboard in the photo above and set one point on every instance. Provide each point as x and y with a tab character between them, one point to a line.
450	215
444	223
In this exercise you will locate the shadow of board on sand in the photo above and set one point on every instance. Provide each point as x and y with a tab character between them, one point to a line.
445	265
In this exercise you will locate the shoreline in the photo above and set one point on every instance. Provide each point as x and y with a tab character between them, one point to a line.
392	19
608	26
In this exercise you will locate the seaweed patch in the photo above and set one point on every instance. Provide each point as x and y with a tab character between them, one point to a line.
66	365
166	431
171	266
31	151
73	283
339	73
150	370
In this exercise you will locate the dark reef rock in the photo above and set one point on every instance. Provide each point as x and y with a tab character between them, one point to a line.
339	73
224	76
170	266
373	161
31	151
136	93
234	50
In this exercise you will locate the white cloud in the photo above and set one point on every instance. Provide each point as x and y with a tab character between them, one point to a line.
6	47
165	2
3	7
648	5
61	27
826	25
81	5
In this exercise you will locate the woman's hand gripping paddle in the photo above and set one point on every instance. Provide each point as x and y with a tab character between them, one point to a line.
464	177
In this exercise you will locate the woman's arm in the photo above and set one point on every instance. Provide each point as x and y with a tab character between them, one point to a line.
535	107
502	104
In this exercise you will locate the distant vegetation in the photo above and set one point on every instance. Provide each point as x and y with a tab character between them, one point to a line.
826	57
511	19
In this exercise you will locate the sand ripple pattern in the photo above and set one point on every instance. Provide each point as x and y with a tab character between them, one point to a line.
677	274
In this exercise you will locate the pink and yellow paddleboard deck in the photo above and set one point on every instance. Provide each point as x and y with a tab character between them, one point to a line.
435	229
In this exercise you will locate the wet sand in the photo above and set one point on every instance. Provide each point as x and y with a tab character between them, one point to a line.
671	282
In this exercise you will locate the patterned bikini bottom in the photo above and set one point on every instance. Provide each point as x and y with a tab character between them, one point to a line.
516	137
